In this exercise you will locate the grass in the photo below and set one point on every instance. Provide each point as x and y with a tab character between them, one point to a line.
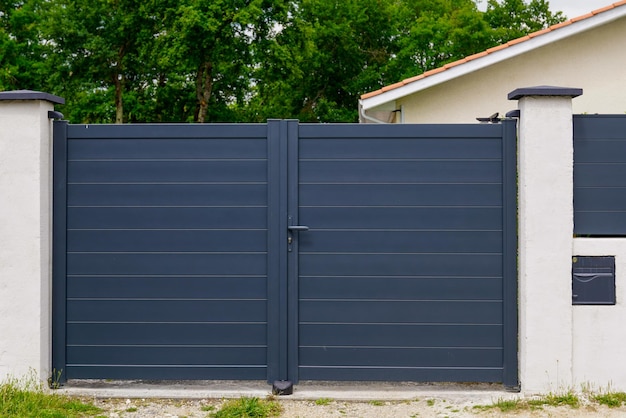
28	399
504	405
568	398
509	405
611	399
376	403
323	401
248	408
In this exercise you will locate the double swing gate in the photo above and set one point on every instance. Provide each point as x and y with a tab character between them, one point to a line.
285	251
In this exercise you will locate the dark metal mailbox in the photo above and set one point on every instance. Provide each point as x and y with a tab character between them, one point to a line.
593	280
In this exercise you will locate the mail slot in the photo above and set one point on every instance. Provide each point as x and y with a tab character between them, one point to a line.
593	280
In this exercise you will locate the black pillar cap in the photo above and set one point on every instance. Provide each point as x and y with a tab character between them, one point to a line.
30	95
544	91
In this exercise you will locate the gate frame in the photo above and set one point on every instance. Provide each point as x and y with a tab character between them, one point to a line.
510	377
282	296
59	249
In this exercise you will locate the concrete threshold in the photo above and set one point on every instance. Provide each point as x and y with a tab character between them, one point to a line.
305	390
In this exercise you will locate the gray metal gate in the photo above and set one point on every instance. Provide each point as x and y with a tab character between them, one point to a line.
286	251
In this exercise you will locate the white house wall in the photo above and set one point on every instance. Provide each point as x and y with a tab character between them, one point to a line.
594	61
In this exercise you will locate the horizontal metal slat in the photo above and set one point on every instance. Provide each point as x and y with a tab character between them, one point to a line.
167	240
166	171
400	357
153	287
372	171
600	127
164	263
600	174
167	148
399	335
400	241
166	217
168	131
400	148
401	374
600	223
166	195
401	195
201	311
469	265
163	334
167	372
400	288
400	311
606	199
426	218
167	355
393	131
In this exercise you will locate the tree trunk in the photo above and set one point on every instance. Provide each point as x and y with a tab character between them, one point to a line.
204	86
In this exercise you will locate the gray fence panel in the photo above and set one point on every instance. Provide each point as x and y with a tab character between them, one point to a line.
600	175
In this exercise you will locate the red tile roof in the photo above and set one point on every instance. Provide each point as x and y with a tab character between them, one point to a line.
492	50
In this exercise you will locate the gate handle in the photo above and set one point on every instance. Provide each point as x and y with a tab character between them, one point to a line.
298	228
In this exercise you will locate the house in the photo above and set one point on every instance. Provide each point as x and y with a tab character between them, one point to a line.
586	52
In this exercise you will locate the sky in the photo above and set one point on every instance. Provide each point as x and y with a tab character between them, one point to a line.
571	8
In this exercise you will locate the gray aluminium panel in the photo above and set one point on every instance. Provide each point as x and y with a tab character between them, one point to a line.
599	173
399	218
167	252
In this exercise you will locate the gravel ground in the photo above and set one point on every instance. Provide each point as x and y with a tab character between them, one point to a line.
144	399
422	408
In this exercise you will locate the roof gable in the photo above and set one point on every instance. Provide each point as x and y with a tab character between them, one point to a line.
494	55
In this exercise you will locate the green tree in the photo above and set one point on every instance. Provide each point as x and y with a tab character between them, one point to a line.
511	19
435	32
323	57
22	54
95	45
213	42
240	60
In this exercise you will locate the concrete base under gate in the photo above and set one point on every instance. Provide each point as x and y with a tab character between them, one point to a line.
307	390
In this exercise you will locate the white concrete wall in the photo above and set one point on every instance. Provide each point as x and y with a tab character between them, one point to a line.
599	343
545	242
592	60
561	347
25	194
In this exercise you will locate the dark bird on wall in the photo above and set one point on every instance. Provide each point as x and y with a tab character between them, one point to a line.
490	119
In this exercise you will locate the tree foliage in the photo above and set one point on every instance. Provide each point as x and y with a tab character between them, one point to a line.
240	60
510	19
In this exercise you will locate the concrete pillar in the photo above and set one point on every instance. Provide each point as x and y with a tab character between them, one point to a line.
25	231
546	226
